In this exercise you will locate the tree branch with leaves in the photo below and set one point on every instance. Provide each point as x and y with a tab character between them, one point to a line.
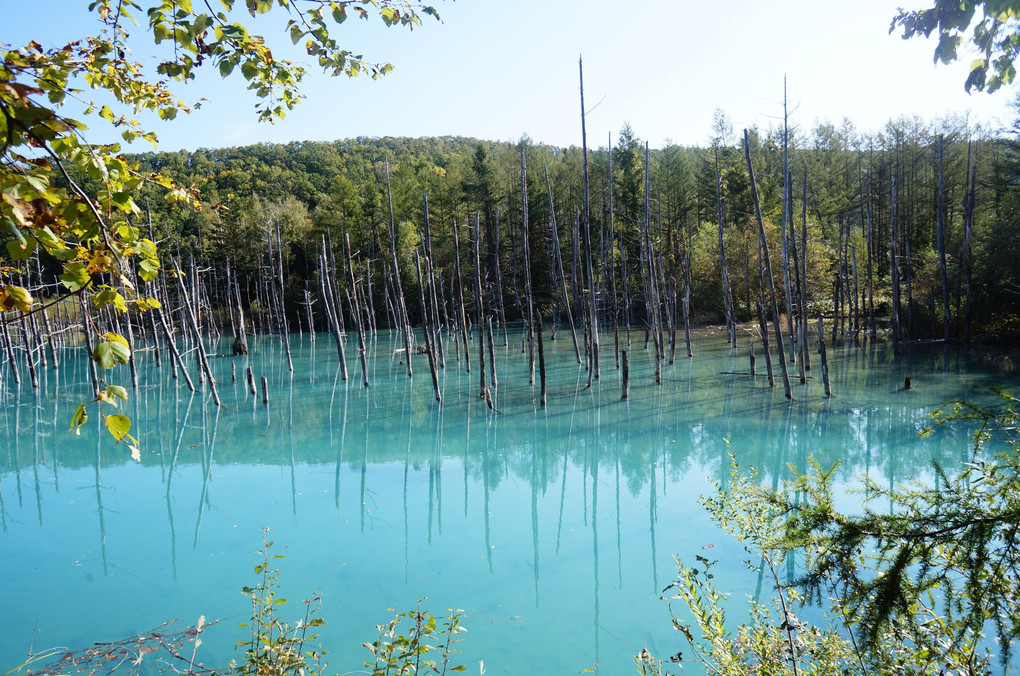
989	28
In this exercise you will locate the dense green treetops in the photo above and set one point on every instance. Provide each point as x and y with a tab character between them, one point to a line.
334	188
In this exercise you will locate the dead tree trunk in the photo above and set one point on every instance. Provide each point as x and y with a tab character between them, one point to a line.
499	286
768	271
526	245
432	300
872	328
593	317
352	300
492	356
462	318
483	388
612	261
825	359
333	310
189	315
541	358
940	234
787	287
731	318
12	360
895	268
559	264
401	301
799	336
651	290
282	308
968	222
427	331
805	352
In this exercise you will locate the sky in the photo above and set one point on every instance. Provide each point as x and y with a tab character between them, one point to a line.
501	70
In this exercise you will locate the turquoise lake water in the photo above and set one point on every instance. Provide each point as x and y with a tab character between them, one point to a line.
553	529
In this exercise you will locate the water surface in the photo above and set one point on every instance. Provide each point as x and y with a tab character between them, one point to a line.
554	529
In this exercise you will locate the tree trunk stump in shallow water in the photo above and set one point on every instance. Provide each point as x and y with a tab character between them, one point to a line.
240	345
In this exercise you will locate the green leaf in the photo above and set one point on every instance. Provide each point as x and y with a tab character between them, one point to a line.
48	239
38	182
147	269
116	338
248	70
16	296
118	425
233	32
110	353
110	297
121	352
21	252
123	201
16	231
202	22
75	276
103	355
80	417
117	391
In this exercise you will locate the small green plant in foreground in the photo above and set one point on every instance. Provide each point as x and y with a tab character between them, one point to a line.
274	648
427	647
277	648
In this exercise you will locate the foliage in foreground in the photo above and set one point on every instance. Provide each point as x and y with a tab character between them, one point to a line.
275	646
944	559
991	36
776	640
911	590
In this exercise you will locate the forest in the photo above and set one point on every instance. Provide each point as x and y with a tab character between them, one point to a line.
943	193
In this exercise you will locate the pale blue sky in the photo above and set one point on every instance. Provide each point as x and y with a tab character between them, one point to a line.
497	70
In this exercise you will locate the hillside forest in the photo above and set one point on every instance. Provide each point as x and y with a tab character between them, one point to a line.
851	191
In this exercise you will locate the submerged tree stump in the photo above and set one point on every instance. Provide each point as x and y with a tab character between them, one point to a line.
625	362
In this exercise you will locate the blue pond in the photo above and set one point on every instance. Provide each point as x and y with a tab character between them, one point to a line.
554	529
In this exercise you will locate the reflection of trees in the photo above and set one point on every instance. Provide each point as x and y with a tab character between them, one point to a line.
868	426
